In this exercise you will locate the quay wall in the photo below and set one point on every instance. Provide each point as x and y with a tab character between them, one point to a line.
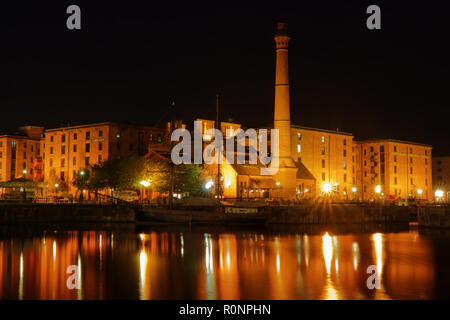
302	214
18	213
338	214
434	217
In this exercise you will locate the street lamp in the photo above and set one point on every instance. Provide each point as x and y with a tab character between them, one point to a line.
419	192
278	189
24	172
209	184
378	189
326	187
439	194
145	183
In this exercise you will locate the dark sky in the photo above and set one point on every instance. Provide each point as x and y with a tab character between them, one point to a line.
130	59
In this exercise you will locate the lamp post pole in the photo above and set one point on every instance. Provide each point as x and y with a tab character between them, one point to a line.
220	152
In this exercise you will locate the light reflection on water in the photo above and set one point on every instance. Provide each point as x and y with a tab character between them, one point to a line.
214	263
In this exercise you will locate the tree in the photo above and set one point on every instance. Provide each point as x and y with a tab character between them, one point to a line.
127	173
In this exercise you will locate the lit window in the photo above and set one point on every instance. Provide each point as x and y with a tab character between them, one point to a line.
299	136
345	164
323	139
299	148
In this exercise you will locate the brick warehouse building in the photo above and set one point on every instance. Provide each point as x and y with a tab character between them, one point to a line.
68	150
354	169
20	153
401	169
441	176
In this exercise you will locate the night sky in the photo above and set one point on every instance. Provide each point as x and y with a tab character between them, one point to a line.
131	59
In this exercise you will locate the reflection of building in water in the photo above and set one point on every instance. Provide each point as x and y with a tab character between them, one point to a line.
241	265
228	275
36	268
406	274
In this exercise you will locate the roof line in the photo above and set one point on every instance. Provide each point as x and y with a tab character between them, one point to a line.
394	140
321	130
96	125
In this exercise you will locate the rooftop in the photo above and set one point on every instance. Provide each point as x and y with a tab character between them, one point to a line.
393	141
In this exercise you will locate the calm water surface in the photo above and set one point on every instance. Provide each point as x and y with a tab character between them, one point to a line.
136	262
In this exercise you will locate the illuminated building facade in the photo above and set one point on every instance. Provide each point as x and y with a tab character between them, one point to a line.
20	154
401	170
441	176
69	150
329	156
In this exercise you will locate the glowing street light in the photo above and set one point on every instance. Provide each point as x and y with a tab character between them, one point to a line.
145	183
354	189
439	194
277	183
209	184
25	171
82	172
419	191
327	187
378	189
56	185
